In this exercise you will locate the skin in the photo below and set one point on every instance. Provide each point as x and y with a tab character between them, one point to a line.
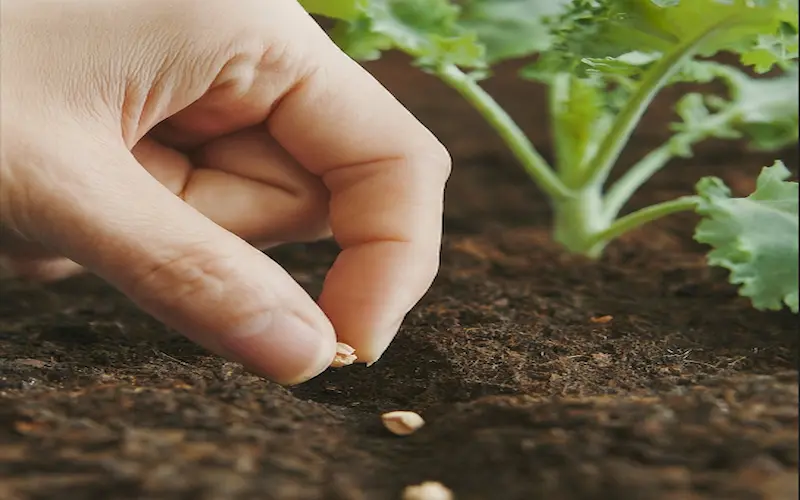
160	145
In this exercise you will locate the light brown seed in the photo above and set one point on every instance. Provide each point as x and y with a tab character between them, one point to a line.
429	490
402	423
345	355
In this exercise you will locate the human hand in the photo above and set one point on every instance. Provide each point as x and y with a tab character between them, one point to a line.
157	144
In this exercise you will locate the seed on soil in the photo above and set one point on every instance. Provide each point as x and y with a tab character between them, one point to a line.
345	355
402	423
429	490
602	319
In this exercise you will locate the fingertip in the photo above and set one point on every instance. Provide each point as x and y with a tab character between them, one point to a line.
373	347
284	348
369	291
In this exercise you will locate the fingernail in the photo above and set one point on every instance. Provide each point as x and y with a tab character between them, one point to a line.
380	344
285	349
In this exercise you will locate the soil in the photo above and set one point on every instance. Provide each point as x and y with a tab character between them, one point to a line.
541	376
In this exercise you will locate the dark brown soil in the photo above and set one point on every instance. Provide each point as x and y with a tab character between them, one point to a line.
680	392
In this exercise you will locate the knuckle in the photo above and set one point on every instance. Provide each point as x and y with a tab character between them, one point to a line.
187	274
312	204
309	214
443	159
202	287
436	156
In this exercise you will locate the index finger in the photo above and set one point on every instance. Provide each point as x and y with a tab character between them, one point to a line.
386	173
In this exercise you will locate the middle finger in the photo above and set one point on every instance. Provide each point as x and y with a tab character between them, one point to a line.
246	183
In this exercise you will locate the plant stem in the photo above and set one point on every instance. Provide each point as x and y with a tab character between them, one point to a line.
558	92
576	220
630	182
627	185
642	217
627	120
533	163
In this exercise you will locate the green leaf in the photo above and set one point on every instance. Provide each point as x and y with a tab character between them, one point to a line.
428	30
762	110
596	33
773	50
578	33
337	9
628	68
699	123
756	237
767	110
511	28
737	26
628	64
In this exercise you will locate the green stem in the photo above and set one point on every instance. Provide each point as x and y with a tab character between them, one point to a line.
631	114
630	182
533	163
642	217
558	93
576	220
627	185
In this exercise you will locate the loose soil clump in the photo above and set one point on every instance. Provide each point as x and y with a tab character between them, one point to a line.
538	375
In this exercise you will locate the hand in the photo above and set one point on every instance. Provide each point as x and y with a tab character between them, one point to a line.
160	144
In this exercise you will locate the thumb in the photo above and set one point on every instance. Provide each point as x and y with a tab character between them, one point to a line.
104	211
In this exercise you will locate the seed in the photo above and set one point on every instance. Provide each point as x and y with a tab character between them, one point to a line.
345	355
429	490
402	423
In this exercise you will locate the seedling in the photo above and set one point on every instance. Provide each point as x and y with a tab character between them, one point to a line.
603	62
